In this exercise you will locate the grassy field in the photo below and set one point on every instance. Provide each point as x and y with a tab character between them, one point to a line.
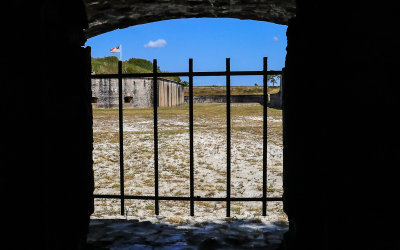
209	159
235	90
209	111
109	65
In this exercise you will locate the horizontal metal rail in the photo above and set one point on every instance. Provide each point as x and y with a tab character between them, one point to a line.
174	198
212	73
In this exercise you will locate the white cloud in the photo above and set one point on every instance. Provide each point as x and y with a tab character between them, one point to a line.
160	43
275	38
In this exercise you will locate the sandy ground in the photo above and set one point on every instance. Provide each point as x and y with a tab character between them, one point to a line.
209	161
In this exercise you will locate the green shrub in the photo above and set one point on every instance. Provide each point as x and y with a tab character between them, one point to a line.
109	65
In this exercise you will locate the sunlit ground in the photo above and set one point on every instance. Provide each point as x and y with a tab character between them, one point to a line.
209	161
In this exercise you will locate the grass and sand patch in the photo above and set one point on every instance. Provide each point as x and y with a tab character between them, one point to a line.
209	159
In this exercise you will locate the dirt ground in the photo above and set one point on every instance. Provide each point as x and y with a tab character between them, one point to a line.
209	162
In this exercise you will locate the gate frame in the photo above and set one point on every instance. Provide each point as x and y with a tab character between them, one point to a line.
155	75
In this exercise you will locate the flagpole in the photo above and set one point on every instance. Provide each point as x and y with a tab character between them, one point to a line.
120	55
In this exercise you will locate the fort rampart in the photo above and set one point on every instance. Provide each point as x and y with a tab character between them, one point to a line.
136	93
274	100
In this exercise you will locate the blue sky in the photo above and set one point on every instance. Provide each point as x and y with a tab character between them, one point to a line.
207	40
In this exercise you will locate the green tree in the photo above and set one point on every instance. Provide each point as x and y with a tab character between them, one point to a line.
273	79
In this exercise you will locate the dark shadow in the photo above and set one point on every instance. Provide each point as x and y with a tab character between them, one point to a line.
128	99
226	234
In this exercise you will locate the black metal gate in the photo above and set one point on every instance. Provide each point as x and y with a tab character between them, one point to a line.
228	73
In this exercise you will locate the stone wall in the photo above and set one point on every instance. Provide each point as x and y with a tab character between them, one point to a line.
46	169
106	15
222	99
137	93
275	100
170	93
341	150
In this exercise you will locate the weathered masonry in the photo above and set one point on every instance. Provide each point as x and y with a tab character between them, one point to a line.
222	99
137	93
274	100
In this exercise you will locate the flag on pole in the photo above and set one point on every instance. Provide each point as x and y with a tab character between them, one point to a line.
116	49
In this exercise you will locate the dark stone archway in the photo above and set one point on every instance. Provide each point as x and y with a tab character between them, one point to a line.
104	16
339	160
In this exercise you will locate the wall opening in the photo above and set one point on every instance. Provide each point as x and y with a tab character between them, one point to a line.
172	53
128	99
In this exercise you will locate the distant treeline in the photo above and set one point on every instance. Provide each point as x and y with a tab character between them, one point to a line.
109	65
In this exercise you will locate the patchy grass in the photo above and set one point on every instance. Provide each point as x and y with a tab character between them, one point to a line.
208	111
209	158
176	220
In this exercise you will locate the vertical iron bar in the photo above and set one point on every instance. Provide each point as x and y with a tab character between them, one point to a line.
228	137
155	107
191	136
282	90
264	166
121	138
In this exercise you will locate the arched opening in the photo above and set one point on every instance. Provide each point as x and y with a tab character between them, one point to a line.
243	43
105	17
